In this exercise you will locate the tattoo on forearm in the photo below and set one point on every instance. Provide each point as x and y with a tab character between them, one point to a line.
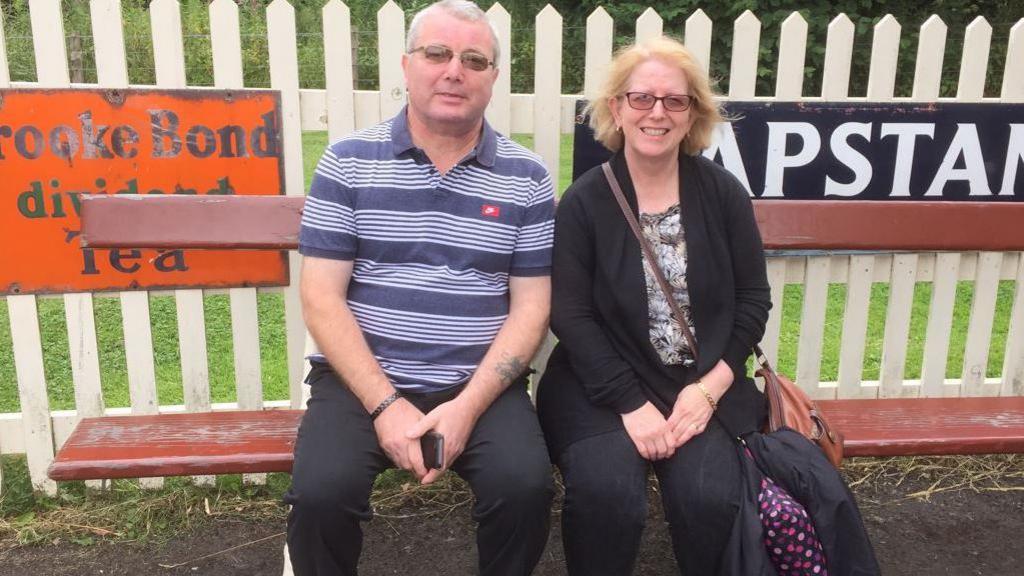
509	368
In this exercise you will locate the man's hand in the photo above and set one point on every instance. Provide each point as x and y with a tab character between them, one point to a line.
391	426
453	420
650	432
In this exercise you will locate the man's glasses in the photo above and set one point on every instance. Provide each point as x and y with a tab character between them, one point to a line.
437	54
672	102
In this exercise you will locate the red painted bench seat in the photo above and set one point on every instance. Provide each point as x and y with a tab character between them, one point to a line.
178	445
929	426
262	441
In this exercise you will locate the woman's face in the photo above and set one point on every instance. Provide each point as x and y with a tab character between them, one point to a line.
655	133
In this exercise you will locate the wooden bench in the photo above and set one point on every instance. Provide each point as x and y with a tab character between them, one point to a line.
262	441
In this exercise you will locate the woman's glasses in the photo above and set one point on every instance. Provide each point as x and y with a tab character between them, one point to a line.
437	54
672	102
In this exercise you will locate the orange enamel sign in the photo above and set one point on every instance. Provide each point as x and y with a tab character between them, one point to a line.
56	145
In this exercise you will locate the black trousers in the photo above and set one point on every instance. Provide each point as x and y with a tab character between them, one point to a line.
606	501
337	458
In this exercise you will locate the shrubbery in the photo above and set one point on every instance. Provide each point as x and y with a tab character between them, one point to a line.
1001	14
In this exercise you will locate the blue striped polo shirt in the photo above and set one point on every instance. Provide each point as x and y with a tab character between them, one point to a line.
432	253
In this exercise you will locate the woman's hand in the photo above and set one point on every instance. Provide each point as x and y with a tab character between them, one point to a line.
690	415
691	412
650	432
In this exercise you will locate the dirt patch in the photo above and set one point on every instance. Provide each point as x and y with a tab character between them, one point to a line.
934	517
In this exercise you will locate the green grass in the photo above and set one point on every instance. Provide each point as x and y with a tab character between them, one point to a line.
57	365
790	330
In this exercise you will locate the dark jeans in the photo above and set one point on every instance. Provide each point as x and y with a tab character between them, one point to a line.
606	501
337	458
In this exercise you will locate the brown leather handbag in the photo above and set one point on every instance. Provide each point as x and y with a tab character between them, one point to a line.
788	405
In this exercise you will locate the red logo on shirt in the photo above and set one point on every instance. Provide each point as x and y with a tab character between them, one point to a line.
490	210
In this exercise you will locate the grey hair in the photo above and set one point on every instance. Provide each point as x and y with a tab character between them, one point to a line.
461	9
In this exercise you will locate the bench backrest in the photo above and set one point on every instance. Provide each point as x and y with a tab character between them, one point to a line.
273	222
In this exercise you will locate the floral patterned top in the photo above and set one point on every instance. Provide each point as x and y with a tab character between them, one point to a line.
664	231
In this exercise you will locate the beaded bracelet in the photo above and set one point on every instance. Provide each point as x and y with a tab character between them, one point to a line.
707	396
383	405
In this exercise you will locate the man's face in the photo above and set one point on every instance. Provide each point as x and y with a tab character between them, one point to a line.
449	96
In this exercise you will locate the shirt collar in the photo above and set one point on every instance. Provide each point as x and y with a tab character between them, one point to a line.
484	152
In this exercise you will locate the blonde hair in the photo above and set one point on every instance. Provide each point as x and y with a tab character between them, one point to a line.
704	108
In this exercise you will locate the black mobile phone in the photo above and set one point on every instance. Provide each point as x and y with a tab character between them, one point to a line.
432	445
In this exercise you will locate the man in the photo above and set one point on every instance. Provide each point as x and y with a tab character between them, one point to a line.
426	285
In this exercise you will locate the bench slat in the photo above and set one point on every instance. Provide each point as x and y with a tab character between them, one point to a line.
136	221
929	426
263	441
890	225
273	222
179	445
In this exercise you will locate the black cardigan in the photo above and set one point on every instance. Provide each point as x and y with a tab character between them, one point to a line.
599	303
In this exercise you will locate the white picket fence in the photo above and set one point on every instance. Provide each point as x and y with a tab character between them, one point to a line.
339	109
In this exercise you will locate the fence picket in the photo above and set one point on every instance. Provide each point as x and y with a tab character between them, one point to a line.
51	72
812	327
37	429
499	110
648	25
600	31
698	37
225	45
168	47
979	330
85	363
78	308
789	81
855	328
897	327
835	81
1013	81
5	75
931	47
227	74
974	63
743	69
48	43
777	282
885	47
195	374
169	59
245	336
1013	361
940	323
108	41
284	76
340	108
138	352
390	47
112	72
5	81
547	85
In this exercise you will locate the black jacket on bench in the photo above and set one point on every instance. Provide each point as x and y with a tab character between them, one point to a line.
599	303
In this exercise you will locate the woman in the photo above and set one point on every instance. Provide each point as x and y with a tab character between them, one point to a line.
622	390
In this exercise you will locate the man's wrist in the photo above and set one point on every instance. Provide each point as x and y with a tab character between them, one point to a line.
384	405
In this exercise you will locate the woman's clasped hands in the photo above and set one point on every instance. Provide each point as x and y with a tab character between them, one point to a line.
656	437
